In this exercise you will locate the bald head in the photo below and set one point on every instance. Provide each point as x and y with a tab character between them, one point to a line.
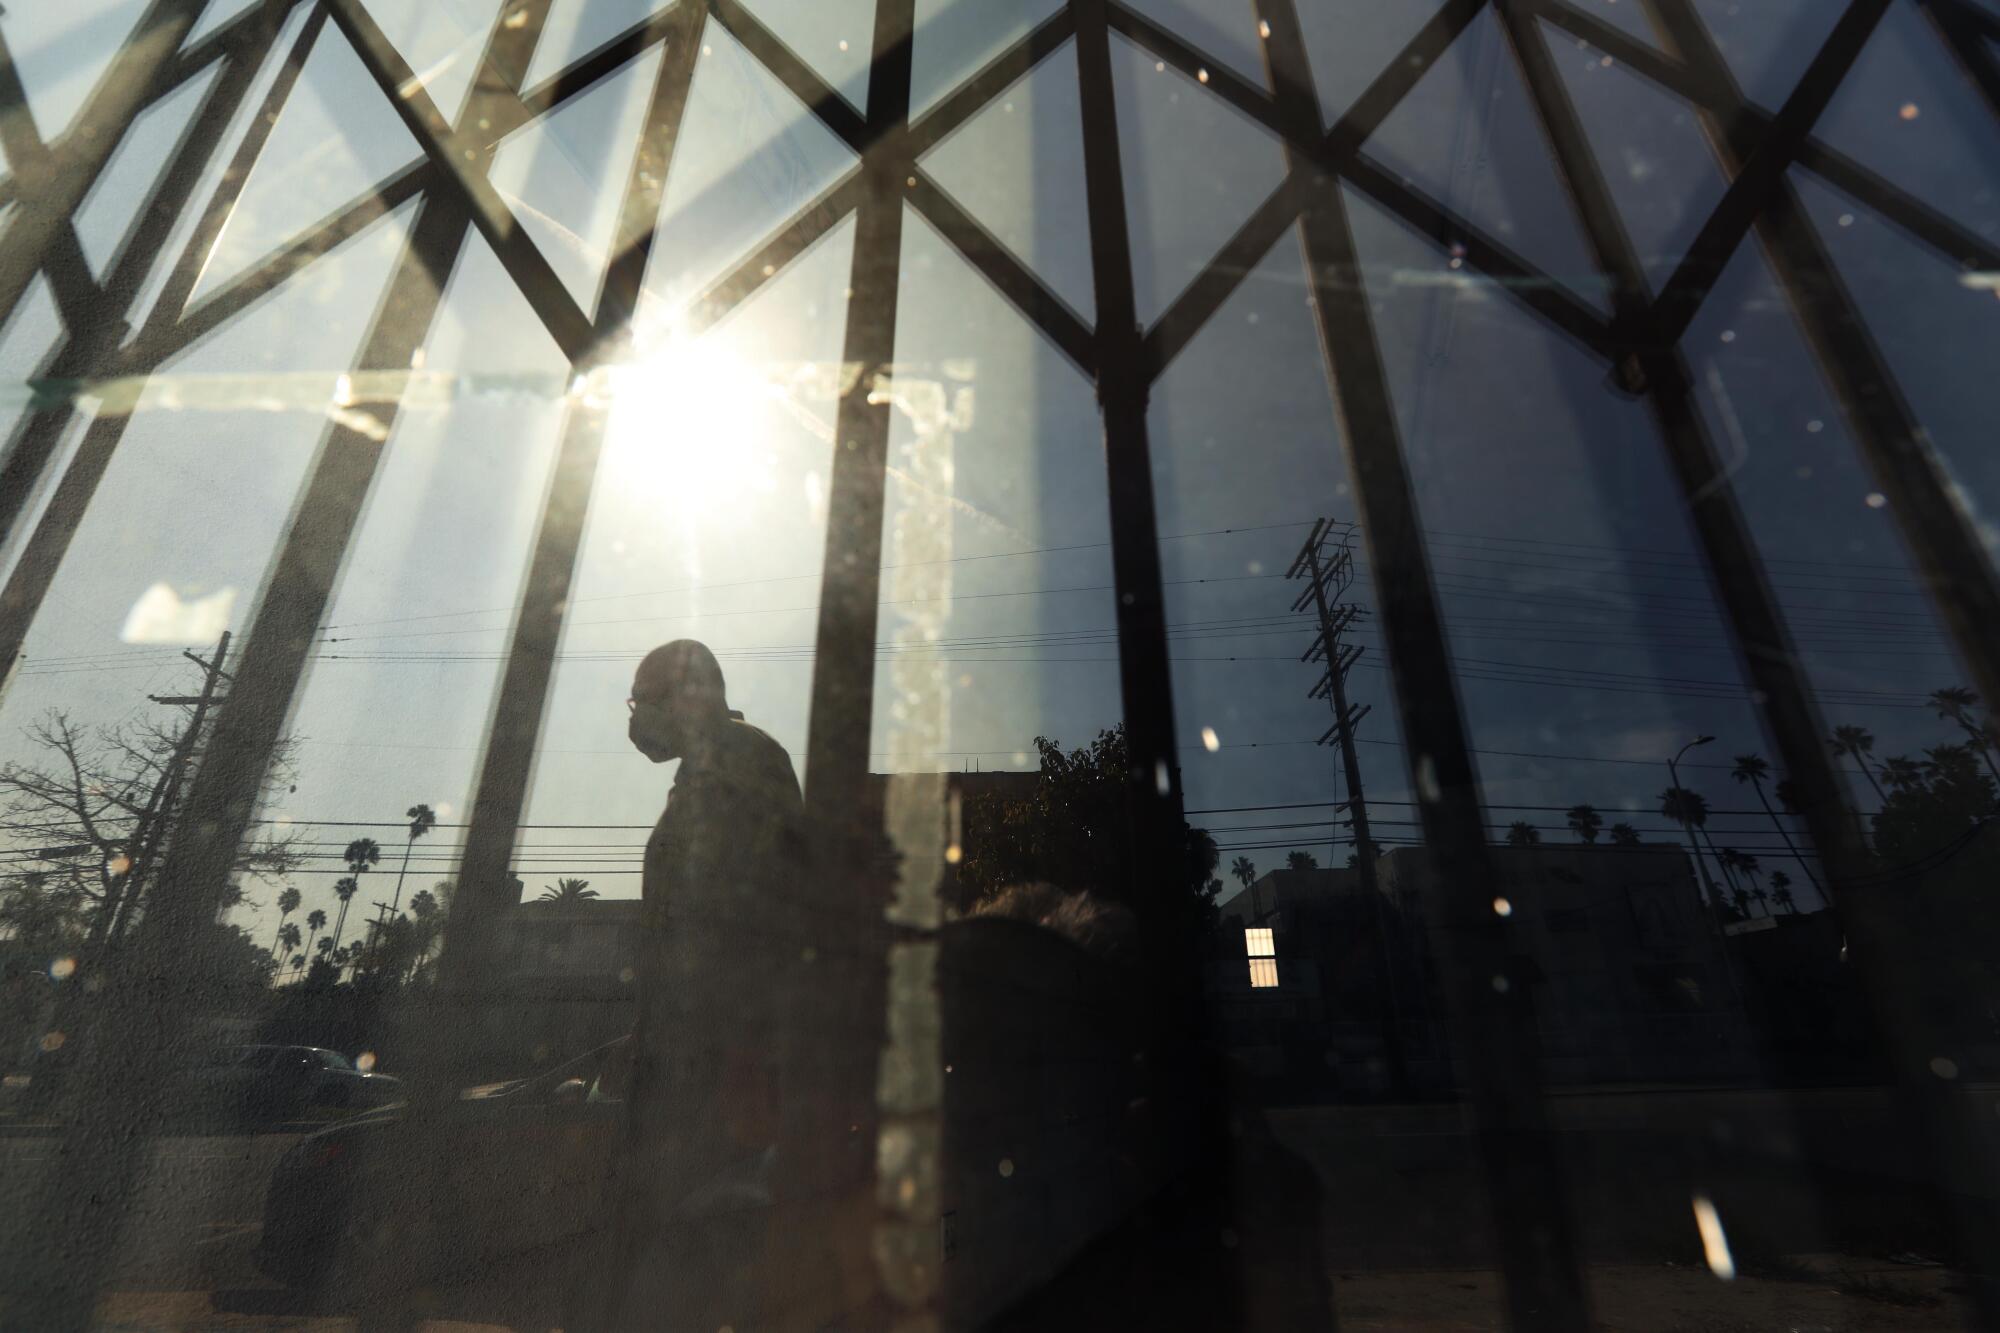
683	667
676	692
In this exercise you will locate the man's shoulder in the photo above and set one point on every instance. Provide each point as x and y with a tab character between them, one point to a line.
753	746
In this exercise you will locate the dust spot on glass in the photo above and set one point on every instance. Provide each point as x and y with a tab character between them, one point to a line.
1159	67
1714	1244
62	969
119	864
1876	500
954	854
1909	111
1846	219
1501	985
1728	335
843	45
1427	779
517	19
1254	567
1943	1068
1501	907
1006	1167
52	1041
1201	75
626	976
1815	426
1263	28
1209	741
365	1061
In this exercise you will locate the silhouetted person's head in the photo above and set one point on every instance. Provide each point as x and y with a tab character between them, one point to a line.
677	695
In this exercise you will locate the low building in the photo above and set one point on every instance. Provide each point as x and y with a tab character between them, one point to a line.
1319	985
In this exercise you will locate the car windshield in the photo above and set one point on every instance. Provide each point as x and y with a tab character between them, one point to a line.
1252	663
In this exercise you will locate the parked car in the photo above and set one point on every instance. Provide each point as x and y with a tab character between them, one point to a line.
265	1080
528	1170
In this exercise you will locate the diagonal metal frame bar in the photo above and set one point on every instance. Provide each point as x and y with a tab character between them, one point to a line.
1881	940
1635	334
50	187
449	151
89	349
507	764
1912	215
1153	785
1338	153
140	1030
1496	1034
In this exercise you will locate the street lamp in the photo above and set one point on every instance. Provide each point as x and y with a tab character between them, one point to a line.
1700	865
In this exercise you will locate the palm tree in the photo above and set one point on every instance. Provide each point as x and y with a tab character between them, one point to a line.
1761	898
316	922
288	903
422	820
568	891
360	854
1301	861
1584	821
1689	809
1902	773
424	911
288	937
1752	769
1624	835
1741	898
1955	703
1857	742
1781	890
1244	869
1521	833
344	889
324	947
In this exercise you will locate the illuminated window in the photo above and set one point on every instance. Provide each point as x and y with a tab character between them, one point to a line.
1258	943
1263	973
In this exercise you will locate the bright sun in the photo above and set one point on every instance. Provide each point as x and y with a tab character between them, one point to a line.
691	429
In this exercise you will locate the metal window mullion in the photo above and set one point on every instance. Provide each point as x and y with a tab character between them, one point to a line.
137	1033
1496	1023
1761	172
49	198
1913	215
1957	26
1018	284
461	157
1124	385
507	762
1875	915
93	350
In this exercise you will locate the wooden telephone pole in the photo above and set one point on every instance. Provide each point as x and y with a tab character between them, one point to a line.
149	832
1327	565
1326	562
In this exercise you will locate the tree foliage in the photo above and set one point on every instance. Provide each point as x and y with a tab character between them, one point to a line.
95	815
1072	829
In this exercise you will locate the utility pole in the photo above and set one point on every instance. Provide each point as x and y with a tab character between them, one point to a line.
150	830
1326	562
1327	565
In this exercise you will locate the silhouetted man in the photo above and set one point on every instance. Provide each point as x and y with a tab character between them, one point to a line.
687	1248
